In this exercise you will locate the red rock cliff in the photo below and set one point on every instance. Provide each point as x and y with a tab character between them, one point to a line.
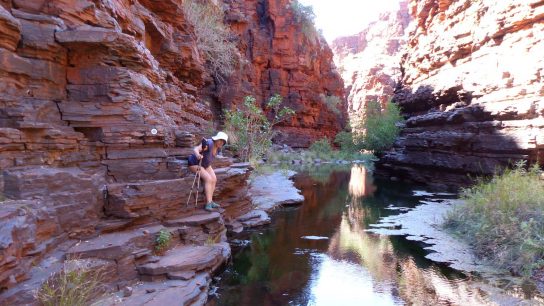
369	62
472	89
83	83
284	60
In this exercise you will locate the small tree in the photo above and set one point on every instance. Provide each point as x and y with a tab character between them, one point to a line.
376	131
333	103
249	128
380	126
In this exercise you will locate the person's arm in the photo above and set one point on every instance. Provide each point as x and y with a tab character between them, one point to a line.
197	151
202	147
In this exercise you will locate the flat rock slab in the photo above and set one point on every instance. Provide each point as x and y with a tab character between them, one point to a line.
234	227
195	220
115	245
272	190
254	218
181	275
187	259
172	292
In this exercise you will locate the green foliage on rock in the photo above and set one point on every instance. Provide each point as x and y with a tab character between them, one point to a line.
251	131
503	219
305	16
333	103
162	241
214	39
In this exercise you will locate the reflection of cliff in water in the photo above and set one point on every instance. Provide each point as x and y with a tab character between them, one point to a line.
341	264
270	270
360	183
385	259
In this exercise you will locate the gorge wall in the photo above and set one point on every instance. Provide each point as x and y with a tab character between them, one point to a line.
472	88
82	85
369	61
283	59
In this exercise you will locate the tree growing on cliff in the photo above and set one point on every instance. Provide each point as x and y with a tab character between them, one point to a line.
214	39
305	16
333	103
251	131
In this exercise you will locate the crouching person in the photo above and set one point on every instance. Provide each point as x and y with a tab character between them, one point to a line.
202	159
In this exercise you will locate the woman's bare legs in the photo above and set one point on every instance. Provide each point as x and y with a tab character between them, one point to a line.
209	181
210	171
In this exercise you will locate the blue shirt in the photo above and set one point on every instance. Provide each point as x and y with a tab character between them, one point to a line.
207	158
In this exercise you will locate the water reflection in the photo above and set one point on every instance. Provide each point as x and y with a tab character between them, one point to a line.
352	267
394	276
360	183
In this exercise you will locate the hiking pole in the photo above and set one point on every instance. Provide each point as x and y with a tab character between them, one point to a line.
204	145
197	175
198	182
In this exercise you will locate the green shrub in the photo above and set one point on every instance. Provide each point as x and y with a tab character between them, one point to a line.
305	16
162	241
214	39
376	131
333	103
503	219
379	126
321	147
250	130
75	285
347	142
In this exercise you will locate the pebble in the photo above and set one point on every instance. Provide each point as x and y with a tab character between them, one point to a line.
127	291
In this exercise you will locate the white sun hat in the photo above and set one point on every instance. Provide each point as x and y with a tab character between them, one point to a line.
221	135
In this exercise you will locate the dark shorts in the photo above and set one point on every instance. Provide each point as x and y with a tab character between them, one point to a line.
193	161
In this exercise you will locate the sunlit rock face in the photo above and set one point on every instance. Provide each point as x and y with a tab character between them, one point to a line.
369	62
471	90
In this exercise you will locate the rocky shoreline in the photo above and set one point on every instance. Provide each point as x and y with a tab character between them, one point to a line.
423	224
137	275
189	269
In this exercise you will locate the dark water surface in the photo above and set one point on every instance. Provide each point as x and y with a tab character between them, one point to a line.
320	254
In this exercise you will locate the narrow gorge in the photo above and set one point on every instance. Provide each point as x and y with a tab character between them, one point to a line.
102	102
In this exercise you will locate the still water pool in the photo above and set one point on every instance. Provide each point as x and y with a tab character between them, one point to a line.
320	254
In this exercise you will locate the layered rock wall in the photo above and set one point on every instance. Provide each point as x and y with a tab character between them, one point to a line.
82	86
280	58
369	62
472	90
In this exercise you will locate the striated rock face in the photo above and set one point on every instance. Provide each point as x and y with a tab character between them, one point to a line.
82	86
281	59
472	90
369	61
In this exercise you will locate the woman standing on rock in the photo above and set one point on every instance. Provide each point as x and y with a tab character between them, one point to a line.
201	160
